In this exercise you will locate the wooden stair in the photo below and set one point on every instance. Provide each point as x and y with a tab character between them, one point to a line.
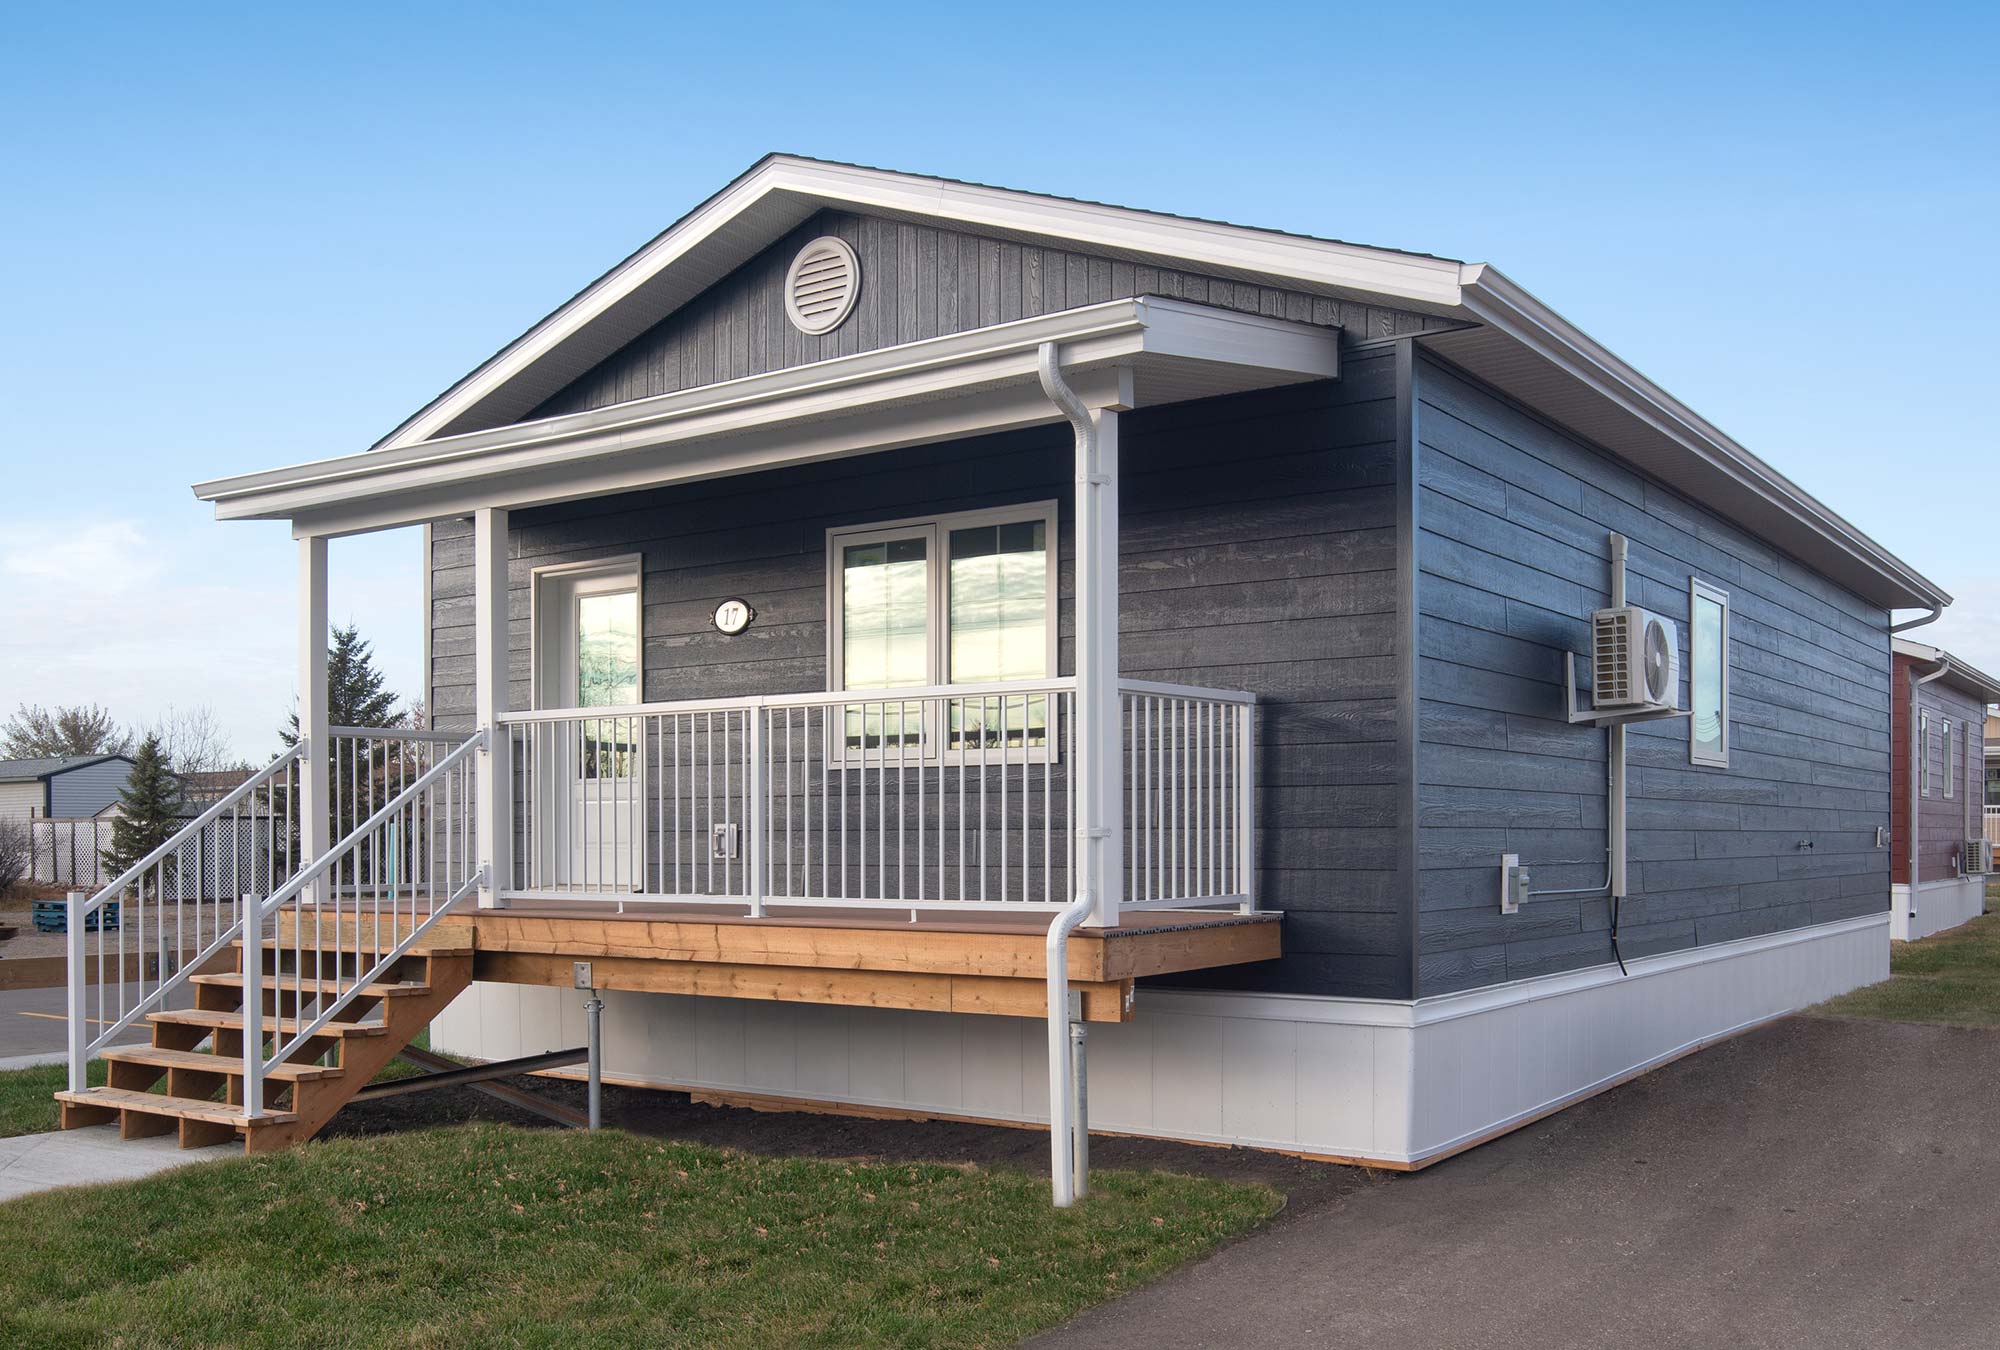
189	1081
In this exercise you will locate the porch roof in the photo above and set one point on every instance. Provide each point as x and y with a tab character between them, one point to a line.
1128	353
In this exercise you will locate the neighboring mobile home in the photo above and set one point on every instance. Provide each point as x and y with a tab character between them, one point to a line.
1939	778
877	580
71	787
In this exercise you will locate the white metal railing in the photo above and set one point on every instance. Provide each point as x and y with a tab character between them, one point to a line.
1990	824
936	798
1190	811
139	938
359	908
366	767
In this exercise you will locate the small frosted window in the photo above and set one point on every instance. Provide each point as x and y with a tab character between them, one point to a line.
1708	675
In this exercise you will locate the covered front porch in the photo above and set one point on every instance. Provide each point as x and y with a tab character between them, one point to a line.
969	762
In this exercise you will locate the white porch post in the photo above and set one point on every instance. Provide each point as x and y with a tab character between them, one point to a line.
315	751
1100	738
494	790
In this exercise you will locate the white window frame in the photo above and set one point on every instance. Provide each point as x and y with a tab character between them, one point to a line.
1924	753
936	531
595	575
1702	590
1950	761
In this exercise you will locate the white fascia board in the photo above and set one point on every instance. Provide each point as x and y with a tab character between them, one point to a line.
1427	283
1493	299
873	400
1969	678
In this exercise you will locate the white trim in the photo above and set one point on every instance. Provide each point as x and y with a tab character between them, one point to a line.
937	388
617	567
1699	590
780	192
1394	1082
936	530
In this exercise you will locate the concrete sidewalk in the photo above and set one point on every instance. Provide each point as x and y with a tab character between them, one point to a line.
1815	1184
42	1162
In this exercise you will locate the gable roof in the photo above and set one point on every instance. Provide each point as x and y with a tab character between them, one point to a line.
1505	336
35	770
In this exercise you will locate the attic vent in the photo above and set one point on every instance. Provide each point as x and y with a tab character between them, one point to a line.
820	288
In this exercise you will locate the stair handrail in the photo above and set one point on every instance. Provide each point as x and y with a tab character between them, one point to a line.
82	1045
255	1063
178	839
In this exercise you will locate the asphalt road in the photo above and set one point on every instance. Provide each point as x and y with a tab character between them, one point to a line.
1812	1184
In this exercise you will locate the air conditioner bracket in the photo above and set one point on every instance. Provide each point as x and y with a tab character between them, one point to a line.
1581	716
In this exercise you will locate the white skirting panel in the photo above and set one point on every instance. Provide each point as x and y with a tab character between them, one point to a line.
1940	905
1392	1082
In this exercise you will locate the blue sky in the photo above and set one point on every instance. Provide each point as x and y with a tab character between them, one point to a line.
243	236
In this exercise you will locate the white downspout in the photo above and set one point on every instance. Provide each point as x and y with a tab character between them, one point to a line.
1068	1163
1917	682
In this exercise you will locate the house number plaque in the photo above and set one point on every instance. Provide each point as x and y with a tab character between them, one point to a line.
733	616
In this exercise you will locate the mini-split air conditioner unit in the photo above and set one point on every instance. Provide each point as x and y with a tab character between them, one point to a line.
1635	658
1978	857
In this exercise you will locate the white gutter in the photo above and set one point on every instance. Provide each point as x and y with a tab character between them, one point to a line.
1495	300
1069	1148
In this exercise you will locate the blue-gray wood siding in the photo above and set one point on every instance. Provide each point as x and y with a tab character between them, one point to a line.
88	790
1257	552
1513	555
917	281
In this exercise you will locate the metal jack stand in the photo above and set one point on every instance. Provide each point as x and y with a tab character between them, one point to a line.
593	1008
1079	1096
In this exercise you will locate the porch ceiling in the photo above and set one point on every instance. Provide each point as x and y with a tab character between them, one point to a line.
1121	354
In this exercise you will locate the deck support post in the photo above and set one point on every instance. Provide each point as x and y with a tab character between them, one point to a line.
315	821
593	1013
494	788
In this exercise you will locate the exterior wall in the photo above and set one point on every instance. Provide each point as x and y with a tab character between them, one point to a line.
917	281
1944	823
1513	516
88	790
19	801
1398	1083
1258	551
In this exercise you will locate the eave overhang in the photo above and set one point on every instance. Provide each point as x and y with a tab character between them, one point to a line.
1123	353
1504	336
1966	678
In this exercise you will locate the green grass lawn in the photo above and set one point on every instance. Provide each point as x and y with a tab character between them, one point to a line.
27	1101
490	1235
1952	978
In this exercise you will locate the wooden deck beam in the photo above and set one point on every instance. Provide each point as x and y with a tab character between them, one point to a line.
937	966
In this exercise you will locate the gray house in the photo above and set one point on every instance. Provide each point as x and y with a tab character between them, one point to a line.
62	787
1394	716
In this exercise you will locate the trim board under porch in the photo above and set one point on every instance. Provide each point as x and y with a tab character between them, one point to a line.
1394	1084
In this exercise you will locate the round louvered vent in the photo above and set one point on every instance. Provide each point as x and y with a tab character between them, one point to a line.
821	287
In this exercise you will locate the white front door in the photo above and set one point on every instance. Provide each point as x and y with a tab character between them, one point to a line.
588	656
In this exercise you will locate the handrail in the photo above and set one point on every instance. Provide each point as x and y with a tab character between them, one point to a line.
324	863
395	734
255	1063
206	818
817	698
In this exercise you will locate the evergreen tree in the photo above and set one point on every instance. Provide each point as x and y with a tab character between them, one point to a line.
355	696
146	808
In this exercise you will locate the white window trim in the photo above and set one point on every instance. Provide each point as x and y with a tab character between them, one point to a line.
1702	590
626	567
937	530
1924	752
1950	761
